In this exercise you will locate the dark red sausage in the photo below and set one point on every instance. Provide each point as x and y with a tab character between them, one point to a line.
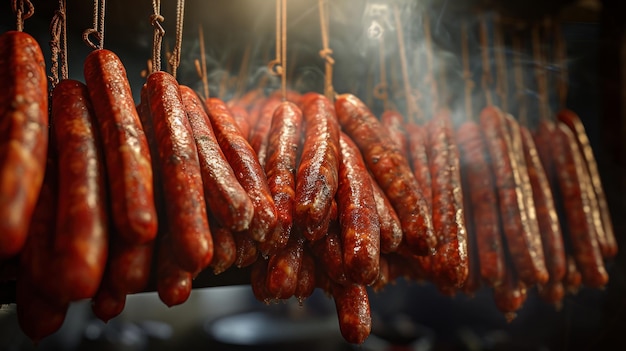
258	281
481	190
552	292
226	198
81	241
282	151
107	304
394	123
474	279
511	295
247	250
23	136
418	158
259	134
570	170
225	248
306	277
125	147
358	217
390	169
383	275
525	257
390	227
329	253
240	115
173	282
183	190
248	171
37	316
573	278
128	267
450	262
353	311
317	176
602	215
283	268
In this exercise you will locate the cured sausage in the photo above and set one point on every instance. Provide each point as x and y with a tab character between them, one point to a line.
173	283
126	151
306	277
394	123
183	191
226	198
390	227
128	267
283	268
247	250
418	158
353	311
329	254
317	176
240	115
358	217
24	136
107	304
282	151
259	134
390	169
258	281
248	171
225	248
37	316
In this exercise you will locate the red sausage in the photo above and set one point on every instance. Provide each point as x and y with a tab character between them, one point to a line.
511	295
240	115
248	171
37	316
394	123
283	268
418	158
329	254
107	304
306	277
390	227
183	190
226	198
282	151
258	279
390	169
353	311
23	136
225	248
247	250
128	267
173	282
358	217
259	134
317	175
126	149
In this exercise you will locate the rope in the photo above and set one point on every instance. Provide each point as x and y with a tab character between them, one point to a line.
467	74
157	40
202	70
58	45
23	10
519	78
326	52
412	110
97	30
174	60
430	75
486	77
381	90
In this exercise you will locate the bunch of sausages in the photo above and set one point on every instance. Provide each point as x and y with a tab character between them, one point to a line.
308	193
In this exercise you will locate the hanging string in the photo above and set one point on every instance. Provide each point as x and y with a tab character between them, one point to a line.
326	52
413	112
201	68
501	82
561	61
244	68
23	10
97	30
174	59
540	73
430	67
519	77
467	74
157	39
381	90
58	45
283	32
275	65
486	77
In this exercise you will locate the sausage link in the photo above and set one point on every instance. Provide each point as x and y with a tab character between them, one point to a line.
450	262
125	147
547	218
107	304
390	169
173	283
353	311
258	281
552	292
247	250
128	267
248	171
240	115
418	158
358	217
511	295
329	253
37	316
481	190
283	268
604	225
383	275
573	278
259	134
225	248
570	170
183	191
474	279
81	241
317	176
513	212
226	198
254	113
282	150
23	136
390	227
394	124
306	276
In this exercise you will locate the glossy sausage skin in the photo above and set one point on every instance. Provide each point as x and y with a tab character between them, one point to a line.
390	169
394	123
107	304
418	158
128	267
358	217
225	248
329	254
173	282
126	149
306	276
283	269
240	115
183	190
226	198
23	135
37	317
390	227
353	311
248	171
317	175
260	133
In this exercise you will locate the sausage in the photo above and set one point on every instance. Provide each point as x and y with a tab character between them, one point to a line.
474	279
390	227
283	268
225	248
128	267
226	198
240	115
602	215
418	158
254	113
390	169
317	175
526	257
573	278
282	151
247	250
547	217
358	217
248	171
107	304
450	262
353	311
37	316
483	199
519	161
306	277
383	275
511	295
80	245
126	152
258	281
570	170
395	126
173	282
552	292
259	134
183	191
329	254
24	136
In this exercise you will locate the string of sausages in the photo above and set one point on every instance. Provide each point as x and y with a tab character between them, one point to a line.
306	192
